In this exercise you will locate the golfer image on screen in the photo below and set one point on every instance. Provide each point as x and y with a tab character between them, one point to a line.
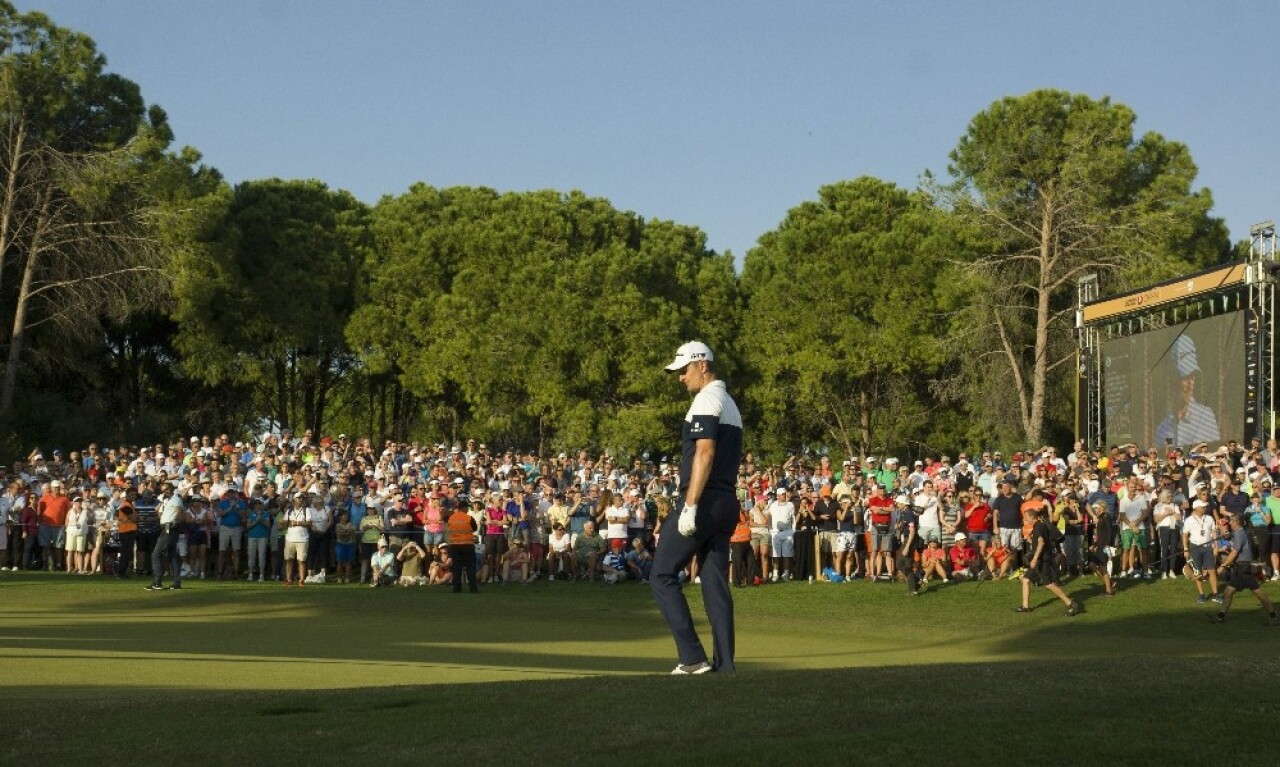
1191	422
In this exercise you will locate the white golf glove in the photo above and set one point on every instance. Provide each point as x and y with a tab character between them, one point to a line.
686	524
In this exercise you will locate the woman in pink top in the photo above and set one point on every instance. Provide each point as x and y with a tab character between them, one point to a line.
495	538
433	525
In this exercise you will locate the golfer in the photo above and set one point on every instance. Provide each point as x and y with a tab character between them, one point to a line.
711	445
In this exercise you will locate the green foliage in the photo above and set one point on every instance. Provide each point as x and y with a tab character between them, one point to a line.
1054	186
842	325
540	317
265	301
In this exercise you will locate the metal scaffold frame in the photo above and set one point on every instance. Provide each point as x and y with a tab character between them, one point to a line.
1249	285
1260	415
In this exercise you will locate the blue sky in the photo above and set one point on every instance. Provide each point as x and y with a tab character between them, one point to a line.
722	115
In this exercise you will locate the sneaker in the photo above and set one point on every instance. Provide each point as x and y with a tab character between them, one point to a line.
201	575
1216	598
774	577
1164	577
176	587
758	581
696	668
1173	576
1075	608
1201	599
1021	609
153	587
250	577
697	579
262	578
287	583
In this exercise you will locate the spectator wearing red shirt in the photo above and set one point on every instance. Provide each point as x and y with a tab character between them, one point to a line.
964	559
880	510
977	520
52	509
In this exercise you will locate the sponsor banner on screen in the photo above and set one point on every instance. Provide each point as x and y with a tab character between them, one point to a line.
1177	386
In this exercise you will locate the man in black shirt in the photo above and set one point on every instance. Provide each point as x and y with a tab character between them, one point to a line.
1099	557
147	507
1041	569
1007	506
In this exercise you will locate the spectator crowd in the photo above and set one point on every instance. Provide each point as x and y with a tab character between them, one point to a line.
299	510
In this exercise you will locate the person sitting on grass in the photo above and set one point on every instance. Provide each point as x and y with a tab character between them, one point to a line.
1042	566
1242	573
410	559
440	573
588	548
932	562
517	559
383	565
640	561
964	558
999	559
613	566
560	554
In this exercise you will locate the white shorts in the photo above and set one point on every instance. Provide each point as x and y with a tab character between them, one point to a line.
295	550
77	539
228	537
1012	539
844	542
784	544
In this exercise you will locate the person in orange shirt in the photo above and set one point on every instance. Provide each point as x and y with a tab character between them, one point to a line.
52	509
743	562
127	527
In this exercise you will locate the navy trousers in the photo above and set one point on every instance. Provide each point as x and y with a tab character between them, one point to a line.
717	516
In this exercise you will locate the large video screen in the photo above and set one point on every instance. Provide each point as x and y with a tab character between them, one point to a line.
1179	386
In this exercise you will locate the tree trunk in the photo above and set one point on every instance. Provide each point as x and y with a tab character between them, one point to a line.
17	338
1040	366
20	313
282	401
864	423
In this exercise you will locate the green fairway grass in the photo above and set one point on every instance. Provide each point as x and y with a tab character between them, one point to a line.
560	672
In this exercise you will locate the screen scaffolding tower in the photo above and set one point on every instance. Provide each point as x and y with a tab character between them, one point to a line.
1089	384
1260	414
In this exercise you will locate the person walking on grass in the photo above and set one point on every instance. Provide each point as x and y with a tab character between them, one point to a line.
711	450
1243	575
1042	569
1199	548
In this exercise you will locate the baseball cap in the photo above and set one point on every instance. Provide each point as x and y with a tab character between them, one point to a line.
1184	356
690	352
961	537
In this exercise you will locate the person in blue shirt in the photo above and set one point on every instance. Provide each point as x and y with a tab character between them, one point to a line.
1243	574
258	527
1106	496
230	510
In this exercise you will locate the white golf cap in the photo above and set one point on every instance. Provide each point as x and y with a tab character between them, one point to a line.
691	352
1184	356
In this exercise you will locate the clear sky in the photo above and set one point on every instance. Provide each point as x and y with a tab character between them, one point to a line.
722	115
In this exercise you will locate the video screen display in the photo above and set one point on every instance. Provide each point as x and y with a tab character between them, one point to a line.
1178	386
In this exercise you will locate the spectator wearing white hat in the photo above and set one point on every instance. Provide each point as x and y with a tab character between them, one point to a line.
1200	549
782	524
